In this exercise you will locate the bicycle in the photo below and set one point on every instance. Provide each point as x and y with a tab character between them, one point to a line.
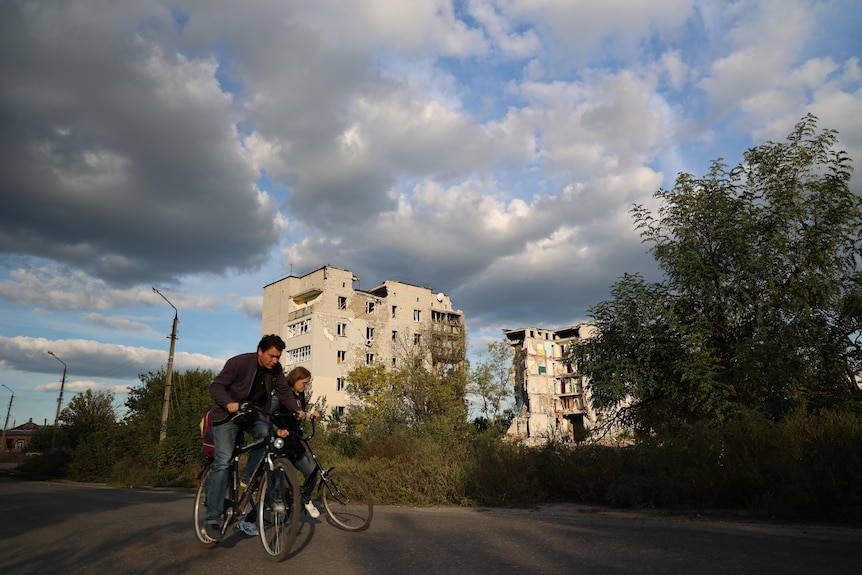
273	491
345	497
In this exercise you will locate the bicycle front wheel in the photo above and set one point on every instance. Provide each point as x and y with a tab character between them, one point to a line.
278	510
347	501
201	507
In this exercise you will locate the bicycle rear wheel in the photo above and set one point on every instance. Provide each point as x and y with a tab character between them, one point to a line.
201	507
278	510
347	501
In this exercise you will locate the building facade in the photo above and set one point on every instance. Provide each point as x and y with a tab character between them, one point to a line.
17	439
551	399
331	327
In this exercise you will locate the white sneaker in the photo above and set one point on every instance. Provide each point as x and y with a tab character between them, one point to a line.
312	510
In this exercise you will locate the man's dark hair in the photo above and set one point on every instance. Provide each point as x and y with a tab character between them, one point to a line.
269	341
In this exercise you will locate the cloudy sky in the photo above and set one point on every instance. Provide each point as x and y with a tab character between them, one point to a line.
489	149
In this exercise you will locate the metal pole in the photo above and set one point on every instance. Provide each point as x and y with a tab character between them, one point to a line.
163	431
8	411
59	402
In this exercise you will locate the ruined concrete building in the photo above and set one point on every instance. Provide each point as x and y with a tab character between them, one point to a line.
331	327
551	401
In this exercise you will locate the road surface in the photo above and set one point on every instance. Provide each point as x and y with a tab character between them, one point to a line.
51	527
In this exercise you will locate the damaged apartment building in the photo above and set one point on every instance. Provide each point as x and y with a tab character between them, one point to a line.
331	326
551	400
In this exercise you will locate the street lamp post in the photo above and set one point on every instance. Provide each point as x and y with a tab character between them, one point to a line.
59	401
8	411
163	431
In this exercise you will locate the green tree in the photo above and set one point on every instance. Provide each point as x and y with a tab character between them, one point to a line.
88	432
761	299
181	450
381	404
87	413
409	396
190	399
491	380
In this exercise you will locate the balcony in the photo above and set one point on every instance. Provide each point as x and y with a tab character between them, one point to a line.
302	312
571	404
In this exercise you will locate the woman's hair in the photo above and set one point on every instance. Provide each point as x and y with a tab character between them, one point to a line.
296	374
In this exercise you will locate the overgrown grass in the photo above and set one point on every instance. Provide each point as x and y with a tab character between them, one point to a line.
804	467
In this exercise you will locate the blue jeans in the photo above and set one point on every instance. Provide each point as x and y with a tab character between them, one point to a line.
224	440
306	466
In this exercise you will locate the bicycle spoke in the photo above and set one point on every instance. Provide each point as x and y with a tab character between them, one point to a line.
278	510
200	512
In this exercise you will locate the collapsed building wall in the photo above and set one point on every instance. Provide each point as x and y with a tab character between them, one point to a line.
551	400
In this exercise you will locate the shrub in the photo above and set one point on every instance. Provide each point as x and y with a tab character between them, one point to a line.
807	466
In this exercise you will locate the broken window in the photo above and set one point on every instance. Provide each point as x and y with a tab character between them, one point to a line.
297	355
298	328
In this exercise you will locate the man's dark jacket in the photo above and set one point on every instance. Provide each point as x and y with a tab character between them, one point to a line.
234	382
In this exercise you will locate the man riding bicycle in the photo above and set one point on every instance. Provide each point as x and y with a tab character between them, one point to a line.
249	377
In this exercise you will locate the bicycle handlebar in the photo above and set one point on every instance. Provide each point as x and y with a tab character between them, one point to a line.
313	428
306	438
246	409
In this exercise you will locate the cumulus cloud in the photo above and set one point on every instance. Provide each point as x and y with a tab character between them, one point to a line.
70	289
86	358
491	149
123	323
81	386
251	306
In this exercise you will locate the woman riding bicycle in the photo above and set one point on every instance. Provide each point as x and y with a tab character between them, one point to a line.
288	417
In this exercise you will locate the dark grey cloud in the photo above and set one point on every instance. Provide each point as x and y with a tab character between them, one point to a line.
134	135
119	156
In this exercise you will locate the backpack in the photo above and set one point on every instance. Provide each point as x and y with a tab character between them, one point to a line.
207	436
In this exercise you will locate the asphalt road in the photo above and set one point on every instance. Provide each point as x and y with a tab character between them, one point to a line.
62	528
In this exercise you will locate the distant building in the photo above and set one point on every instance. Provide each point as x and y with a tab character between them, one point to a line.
17	439
551	400
331	327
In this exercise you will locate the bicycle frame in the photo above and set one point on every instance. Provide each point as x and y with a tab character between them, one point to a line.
238	501
236	505
344	496
273	495
318	468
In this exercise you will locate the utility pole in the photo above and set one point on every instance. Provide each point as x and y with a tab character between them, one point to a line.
163	432
8	411
59	402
